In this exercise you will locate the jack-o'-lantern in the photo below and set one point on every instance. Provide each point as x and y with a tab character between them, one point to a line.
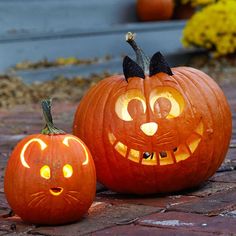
50	177
155	128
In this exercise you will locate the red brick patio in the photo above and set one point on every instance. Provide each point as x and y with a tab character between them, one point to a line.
208	210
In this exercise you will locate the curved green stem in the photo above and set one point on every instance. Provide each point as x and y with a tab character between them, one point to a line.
142	60
49	127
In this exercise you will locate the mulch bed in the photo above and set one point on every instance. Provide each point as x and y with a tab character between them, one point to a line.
13	91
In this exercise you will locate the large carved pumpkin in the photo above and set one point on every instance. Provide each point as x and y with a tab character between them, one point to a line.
156	128
50	177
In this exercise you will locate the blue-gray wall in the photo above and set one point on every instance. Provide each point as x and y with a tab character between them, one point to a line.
37	29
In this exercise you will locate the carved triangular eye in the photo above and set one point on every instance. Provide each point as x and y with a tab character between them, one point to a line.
132	69
159	64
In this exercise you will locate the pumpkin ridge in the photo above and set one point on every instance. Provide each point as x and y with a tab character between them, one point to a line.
185	78
196	84
182	85
111	85
81	118
221	121
106	103
86	107
222	113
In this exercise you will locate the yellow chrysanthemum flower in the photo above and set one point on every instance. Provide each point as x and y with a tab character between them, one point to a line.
198	2
213	28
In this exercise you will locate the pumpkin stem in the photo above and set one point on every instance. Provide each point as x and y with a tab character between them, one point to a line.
142	60
49	127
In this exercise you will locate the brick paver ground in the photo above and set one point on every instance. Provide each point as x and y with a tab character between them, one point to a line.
208	210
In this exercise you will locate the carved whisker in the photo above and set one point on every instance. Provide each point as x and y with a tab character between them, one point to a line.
40	201
169	133
164	141
36	194
137	139
35	199
72	197
72	191
167	142
67	200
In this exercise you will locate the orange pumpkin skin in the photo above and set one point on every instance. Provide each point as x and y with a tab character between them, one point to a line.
155	9
29	194
204	126
50	179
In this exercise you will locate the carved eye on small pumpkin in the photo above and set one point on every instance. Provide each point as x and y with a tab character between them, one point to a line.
122	103
67	171
167	101
45	172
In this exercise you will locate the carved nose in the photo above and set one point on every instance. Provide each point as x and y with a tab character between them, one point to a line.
149	128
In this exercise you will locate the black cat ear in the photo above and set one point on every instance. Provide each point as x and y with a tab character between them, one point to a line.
159	64
132	69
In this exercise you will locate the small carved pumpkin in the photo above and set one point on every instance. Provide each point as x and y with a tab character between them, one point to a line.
50	177
154	10
155	129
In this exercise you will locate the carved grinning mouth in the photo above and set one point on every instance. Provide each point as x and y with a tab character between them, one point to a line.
56	191
163	157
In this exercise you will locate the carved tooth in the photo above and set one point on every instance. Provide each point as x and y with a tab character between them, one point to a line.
173	155
134	155
121	148
199	130
167	159
193	142
175	149
151	160
111	138
163	154
182	153
147	155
